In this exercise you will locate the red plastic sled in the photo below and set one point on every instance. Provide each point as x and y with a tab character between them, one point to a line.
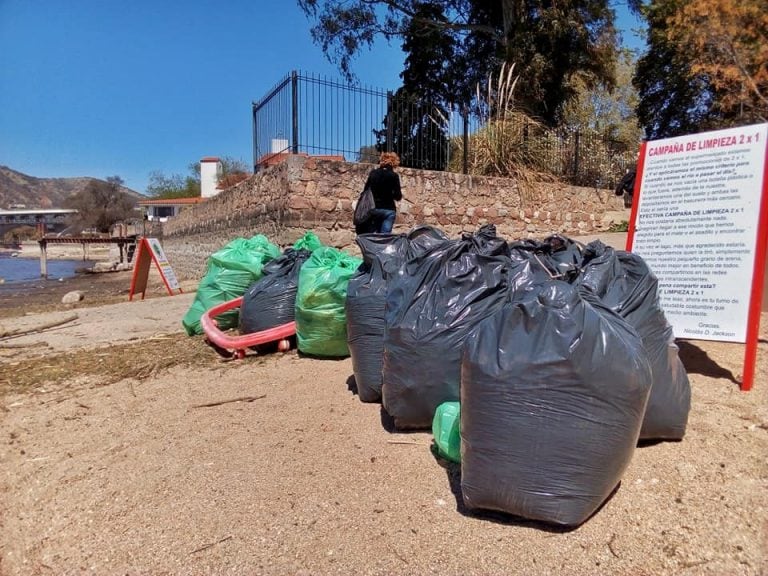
223	343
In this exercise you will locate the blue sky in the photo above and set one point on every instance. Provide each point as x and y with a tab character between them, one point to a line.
103	88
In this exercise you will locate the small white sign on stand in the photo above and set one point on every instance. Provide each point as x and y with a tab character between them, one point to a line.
700	222
150	250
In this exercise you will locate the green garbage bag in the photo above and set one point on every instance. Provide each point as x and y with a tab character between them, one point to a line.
309	241
321	323
230	271
446	428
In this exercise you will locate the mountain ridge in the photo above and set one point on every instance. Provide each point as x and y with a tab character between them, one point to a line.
17	188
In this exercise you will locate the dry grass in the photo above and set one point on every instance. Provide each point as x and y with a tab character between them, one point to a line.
509	143
512	144
105	366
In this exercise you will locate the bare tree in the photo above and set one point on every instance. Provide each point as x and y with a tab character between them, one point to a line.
100	204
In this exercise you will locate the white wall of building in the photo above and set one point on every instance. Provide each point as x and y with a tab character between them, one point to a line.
210	170
279	145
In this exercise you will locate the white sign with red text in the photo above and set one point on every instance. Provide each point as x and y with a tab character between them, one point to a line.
696	224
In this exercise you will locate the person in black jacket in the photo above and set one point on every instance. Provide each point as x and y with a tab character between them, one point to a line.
385	185
626	186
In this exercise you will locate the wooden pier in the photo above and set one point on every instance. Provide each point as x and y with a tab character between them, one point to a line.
123	242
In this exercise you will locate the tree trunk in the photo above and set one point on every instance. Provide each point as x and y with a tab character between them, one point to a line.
512	14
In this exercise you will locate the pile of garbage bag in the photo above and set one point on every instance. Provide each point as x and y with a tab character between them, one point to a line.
306	284
230	271
538	364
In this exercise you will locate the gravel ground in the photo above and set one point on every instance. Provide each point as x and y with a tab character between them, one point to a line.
127	456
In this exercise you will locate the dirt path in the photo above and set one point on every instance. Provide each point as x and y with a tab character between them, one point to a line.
99	326
126	447
288	473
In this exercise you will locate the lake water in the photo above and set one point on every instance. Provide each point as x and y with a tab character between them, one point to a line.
26	269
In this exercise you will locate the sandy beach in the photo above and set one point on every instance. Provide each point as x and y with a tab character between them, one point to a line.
45	294
129	447
95	252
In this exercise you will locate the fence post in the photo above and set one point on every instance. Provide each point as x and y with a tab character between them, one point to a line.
255	139
390	129
465	138
294	112
577	146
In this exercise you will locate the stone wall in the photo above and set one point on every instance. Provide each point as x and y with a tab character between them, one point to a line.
300	194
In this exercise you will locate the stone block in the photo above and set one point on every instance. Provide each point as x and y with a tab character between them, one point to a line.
327	204
299	203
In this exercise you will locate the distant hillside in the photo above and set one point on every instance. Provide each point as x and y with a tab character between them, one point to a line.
18	188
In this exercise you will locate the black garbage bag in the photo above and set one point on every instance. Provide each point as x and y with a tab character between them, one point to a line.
431	307
383	254
365	307
565	256
553	390
486	241
560	255
625	284
421	239
271	301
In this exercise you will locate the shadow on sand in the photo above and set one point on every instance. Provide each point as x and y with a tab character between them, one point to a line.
697	361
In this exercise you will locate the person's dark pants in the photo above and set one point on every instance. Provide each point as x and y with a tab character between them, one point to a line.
369	227
384	218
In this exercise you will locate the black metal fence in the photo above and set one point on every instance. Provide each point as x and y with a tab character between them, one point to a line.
323	117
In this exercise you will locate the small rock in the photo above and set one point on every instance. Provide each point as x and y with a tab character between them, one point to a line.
104	266
72	297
